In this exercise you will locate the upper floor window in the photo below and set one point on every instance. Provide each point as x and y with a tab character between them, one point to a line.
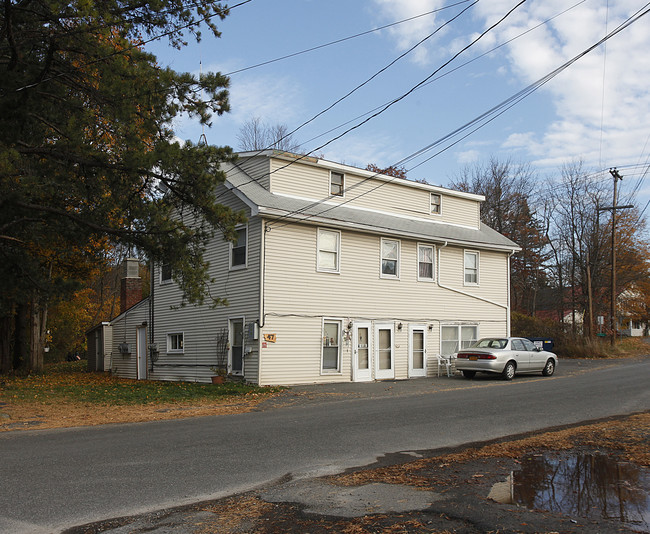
471	267
238	249
337	184
329	249
175	342
390	258
436	204
426	255
165	273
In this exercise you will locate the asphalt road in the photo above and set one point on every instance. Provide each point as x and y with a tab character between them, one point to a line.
53	479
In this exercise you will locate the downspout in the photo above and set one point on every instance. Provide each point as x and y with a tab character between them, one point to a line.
441	285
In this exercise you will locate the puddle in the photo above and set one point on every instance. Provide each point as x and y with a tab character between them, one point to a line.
594	486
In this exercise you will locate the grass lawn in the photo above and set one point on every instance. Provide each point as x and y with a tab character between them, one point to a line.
68	395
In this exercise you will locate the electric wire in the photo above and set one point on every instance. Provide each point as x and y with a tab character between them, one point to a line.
496	111
343	39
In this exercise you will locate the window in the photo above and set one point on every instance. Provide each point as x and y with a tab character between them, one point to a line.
175	342
237	346
238	249
389	258
337	184
456	337
436	204
329	246
331	346
426	255
165	273
471	268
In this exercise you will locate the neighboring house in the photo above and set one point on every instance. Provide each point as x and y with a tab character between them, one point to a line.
339	275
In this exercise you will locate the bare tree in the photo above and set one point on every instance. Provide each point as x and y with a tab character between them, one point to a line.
255	134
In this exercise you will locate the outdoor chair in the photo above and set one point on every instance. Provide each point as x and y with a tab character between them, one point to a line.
444	361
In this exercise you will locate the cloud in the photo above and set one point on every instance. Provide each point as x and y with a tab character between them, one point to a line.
600	102
468	156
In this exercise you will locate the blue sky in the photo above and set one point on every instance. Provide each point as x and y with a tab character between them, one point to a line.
597	110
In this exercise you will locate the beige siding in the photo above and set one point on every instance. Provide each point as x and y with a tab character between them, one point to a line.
202	324
257	168
297	297
124	329
400	197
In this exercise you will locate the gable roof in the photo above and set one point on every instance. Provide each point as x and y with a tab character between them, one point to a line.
292	210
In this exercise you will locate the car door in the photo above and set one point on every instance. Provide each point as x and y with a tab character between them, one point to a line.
520	355
537	358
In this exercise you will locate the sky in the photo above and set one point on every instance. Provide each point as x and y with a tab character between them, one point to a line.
442	70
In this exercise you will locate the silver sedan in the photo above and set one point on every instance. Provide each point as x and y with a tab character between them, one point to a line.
506	356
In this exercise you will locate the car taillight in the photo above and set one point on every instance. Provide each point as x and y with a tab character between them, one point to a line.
486	357
461	355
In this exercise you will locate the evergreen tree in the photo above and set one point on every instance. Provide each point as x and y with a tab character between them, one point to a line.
87	147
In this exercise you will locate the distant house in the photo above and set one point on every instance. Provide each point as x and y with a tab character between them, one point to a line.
339	275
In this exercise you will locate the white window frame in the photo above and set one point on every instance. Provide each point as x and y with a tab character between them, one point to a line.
437	204
319	268
398	260
232	247
162	280
478	267
339	322
459	334
342	193
433	263
169	343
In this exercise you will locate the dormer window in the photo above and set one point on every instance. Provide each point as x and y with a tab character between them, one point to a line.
337	184
436	204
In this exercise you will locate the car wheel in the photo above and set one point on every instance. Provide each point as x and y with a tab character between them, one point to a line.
509	371
549	368
469	374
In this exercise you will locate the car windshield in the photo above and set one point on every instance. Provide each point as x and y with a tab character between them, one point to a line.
490	343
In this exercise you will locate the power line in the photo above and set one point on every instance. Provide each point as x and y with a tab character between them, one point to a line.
492	113
343	39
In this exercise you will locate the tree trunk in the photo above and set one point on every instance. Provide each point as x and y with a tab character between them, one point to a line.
37	335
20	337
6	363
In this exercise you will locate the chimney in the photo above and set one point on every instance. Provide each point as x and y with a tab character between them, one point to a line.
131	284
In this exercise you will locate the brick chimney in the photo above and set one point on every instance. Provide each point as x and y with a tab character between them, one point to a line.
131	284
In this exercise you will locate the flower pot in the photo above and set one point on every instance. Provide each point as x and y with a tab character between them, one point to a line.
218	379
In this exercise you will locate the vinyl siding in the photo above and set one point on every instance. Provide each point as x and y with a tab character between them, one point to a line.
257	168
202	324
297	297
124	329
400	197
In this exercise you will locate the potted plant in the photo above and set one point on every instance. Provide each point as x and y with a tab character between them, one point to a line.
219	376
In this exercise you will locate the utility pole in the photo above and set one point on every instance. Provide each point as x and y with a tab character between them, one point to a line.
615	174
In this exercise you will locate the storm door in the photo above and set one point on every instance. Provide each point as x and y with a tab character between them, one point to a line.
417	351
384	352
236	363
362	369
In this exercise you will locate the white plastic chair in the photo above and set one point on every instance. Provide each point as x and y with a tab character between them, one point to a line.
446	361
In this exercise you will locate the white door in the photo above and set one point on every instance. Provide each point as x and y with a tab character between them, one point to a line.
384	351
362	355
141	351
417	351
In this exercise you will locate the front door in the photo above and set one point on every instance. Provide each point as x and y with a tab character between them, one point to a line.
361	368
417	351
237	346
141	351
384	352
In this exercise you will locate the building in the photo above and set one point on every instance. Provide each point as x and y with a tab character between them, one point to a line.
339	275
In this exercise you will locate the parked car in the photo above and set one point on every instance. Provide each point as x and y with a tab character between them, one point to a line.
506	356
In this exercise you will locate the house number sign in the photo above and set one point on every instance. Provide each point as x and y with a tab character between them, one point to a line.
270	338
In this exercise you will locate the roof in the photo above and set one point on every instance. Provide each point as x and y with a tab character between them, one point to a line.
291	209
